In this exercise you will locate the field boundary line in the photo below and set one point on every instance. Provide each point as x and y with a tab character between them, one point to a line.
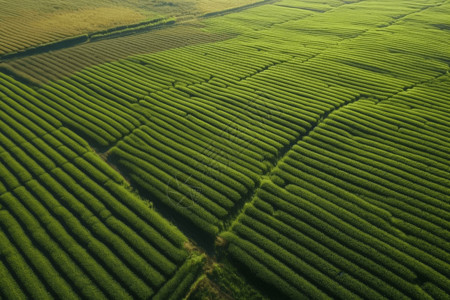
233	217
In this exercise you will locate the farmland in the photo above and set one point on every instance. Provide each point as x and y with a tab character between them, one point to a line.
27	24
225	149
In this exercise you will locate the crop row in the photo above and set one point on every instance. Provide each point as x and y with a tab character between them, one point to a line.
17	37
68	227
81	247
48	109
430	103
126	82
261	105
34	162
362	201
75	102
58	64
213	142
289	226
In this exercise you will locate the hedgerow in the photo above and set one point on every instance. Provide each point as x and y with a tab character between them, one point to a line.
144	249
124	249
127	233
392	140
61	236
340	144
73	115
49	151
288	97
217	136
102	166
373	183
109	83
26	97
26	111
128	80
140	75
97	237
86	167
27	162
120	112
356	205
105	89
434	291
16	168
208	100
65	264
205	146
233	135
144	73
389	204
152	237
3	189
149	84
416	233
17	125
156	222
121	101
250	108
11	134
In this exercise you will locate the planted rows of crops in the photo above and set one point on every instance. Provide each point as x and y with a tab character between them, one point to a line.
206	145
28	24
256	128
358	209
13	37
202	163
331	120
68	226
311	4
94	114
55	65
238	115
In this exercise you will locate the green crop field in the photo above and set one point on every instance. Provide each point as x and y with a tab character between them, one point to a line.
244	149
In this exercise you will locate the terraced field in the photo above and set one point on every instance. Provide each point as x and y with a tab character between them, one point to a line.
303	144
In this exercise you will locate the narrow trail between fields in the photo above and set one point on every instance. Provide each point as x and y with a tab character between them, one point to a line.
113	33
407	88
284	152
